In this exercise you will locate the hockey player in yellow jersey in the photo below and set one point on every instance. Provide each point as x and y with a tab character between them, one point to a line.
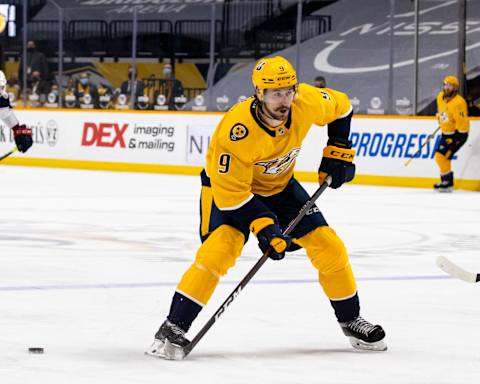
248	186
452	113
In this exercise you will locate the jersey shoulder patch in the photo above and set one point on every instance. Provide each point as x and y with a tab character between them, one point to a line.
238	132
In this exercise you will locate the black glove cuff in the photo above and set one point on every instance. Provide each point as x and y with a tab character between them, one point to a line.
339	142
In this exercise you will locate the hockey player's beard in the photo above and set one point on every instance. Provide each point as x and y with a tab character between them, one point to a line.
449	94
279	114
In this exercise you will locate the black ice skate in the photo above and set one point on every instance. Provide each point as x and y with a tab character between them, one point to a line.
364	335
169	342
446	183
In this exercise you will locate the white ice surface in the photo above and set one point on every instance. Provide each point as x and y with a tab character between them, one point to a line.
89	262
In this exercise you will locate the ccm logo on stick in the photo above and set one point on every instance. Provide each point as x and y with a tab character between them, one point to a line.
104	134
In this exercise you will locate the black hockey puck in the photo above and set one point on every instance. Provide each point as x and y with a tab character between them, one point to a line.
35	350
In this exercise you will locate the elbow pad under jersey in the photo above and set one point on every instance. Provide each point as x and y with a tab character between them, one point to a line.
340	128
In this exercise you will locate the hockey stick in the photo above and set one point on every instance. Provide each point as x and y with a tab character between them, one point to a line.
429	137
8	153
454	270
308	205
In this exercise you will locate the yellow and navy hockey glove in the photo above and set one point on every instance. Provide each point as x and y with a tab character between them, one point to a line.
270	235
337	162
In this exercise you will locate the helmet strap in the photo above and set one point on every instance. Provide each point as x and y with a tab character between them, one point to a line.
259	93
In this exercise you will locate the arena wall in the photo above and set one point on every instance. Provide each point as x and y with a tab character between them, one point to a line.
176	142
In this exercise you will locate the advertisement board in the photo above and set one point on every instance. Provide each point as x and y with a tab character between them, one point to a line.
384	145
176	142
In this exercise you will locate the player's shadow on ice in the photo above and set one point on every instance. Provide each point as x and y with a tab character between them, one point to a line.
286	353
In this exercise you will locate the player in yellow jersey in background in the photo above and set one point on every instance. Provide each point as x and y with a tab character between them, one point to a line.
453	119
248	186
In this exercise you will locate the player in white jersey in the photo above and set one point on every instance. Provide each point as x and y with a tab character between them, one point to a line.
21	133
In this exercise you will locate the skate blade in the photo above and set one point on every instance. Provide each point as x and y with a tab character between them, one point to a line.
157	349
379	346
166	350
445	190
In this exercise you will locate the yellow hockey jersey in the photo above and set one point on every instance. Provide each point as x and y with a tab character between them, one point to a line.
247	157
452	114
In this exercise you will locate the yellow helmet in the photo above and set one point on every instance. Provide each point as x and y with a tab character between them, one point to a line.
273	72
452	80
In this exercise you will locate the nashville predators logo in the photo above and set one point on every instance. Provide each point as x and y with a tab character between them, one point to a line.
279	166
238	132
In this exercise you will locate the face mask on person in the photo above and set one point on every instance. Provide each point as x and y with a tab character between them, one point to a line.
84	81
30	49
167	72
